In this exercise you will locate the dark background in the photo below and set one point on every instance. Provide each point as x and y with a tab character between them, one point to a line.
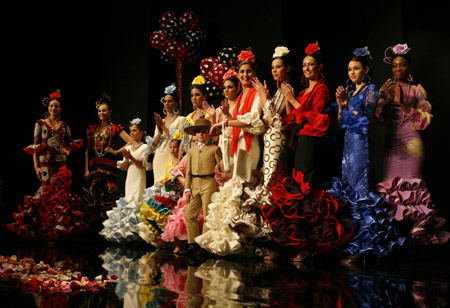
87	49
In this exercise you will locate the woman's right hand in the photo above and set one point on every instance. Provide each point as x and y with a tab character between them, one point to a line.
341	96
86	175
39	173
390	87
214	127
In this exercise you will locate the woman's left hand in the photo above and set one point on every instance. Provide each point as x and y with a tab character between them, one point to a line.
209	109
110	150
262	90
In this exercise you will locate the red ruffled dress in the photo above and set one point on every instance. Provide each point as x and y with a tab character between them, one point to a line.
102	193
301	215
53	211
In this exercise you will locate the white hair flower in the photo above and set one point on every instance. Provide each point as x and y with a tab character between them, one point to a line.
280	51
136	121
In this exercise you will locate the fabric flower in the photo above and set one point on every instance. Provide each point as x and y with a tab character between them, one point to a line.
56	94
361	52
229	73
177	135
136	121
246	55
199	80
170	89
281	51
311	48
401	49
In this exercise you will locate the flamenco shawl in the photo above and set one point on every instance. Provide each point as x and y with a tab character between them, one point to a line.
305	217
246	107
411	200
375	232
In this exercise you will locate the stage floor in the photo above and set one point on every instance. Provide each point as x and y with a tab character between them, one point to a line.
145	277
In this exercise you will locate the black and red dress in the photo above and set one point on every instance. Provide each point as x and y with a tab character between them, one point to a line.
302	215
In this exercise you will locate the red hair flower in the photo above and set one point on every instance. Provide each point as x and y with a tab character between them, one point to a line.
246	55
311	48
56	94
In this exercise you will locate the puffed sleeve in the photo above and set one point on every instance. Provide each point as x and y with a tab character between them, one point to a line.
144	159
253	118
420	115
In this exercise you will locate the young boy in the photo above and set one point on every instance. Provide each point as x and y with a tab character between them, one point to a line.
201	161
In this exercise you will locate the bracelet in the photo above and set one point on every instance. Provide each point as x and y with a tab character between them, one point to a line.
226	123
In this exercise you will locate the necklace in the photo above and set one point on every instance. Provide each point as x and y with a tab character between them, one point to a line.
137	146
100	140
52	141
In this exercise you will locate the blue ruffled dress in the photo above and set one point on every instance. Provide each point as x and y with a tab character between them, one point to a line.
375	233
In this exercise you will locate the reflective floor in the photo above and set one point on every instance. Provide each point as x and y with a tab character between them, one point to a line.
414	277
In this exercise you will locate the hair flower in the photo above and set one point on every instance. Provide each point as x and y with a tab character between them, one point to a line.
281	51
177	135
312	48
136	121
362	52
56	94
229	73
246	55
401	49
170	89
199	80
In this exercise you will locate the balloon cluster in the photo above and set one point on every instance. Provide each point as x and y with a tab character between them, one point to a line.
214	68
178	38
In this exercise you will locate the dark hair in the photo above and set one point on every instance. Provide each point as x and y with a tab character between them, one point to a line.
234	80
364	60
286	62
201	87
104	100
178	141
174	96
316	56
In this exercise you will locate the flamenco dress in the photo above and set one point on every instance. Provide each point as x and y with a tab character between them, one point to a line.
175	224
250	224
162	154
302	216
219	238
403	186
121	225
375	233
102	193
53	211
157	205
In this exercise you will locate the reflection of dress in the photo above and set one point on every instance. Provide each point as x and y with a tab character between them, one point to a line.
250	223
302	216
162	153
219	238
103	191
403	160
53	211
374	231
121	225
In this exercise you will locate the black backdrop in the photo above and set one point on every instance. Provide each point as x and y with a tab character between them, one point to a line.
87	49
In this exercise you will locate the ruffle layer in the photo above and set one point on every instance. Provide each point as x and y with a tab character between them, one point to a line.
411	200
154	213
55	213
354	123
219	238
375	233
310	219
121	226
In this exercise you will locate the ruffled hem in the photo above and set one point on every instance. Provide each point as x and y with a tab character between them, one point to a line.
100	197
411	200
219	238
309	219
121	226
375	233
54	214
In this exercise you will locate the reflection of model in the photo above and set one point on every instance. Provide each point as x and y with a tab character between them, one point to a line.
244	151
375	233
100	163
404	107
301	215
121	225
164	130
53	211
249	223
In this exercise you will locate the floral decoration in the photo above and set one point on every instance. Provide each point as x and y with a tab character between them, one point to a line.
56	94
312	48
199	80
229	73
136	121
362	52
281	51
401	49
170	89
246	55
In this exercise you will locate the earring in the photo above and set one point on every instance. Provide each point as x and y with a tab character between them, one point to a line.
304	82
366	79
410	78
321	78
176	110
164	111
